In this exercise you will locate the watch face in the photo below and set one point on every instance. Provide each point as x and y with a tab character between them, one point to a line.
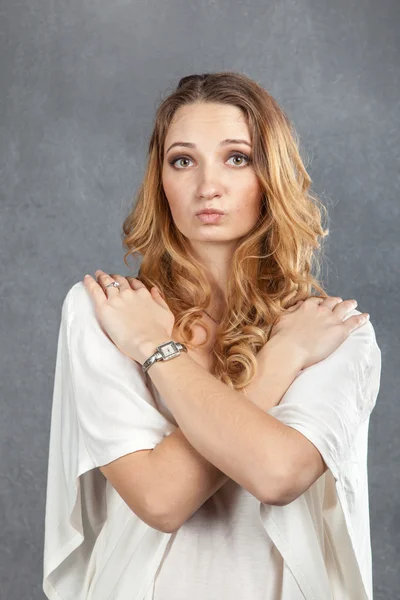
168	349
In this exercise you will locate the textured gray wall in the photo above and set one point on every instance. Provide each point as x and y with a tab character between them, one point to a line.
79	85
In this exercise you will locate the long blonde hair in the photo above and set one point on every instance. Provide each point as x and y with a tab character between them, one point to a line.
271	266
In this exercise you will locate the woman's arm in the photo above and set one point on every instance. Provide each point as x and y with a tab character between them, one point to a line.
183	478
276	370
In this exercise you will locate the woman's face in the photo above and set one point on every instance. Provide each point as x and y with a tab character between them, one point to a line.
210	173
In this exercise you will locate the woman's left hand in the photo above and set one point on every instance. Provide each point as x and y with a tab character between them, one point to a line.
132	317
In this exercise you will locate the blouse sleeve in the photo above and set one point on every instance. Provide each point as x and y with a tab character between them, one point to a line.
115	409
328	401
102	409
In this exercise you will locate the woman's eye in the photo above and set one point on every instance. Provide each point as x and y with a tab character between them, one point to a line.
175	160
236	155
242	156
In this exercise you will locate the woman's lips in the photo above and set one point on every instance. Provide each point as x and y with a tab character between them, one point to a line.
209	217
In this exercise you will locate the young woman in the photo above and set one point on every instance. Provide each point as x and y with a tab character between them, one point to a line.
210	416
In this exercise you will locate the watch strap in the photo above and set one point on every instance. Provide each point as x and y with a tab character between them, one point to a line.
164	352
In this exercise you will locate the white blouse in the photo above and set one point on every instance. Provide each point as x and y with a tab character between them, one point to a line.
317	547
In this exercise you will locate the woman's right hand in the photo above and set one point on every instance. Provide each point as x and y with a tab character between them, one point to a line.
314	328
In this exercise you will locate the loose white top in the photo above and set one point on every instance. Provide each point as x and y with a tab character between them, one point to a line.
104	406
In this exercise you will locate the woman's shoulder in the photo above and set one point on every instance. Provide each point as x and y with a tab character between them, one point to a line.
87	339
77	303
361	345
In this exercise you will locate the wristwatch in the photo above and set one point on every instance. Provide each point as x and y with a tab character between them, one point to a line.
165	351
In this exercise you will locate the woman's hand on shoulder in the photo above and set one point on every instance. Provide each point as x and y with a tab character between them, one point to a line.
315	327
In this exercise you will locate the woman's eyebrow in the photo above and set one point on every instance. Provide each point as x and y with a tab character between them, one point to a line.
223	143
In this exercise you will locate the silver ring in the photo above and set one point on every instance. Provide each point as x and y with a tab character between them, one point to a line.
113	284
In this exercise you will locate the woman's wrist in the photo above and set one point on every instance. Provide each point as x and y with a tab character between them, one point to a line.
278	348
147	348
277	367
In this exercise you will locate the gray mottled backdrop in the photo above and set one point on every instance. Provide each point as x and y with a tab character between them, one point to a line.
79	84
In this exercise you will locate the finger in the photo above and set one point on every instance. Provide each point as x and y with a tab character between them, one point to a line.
134	283
355	322
103	279
332	301
342	309
155	292
95	291
123	283
295	306
315	299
